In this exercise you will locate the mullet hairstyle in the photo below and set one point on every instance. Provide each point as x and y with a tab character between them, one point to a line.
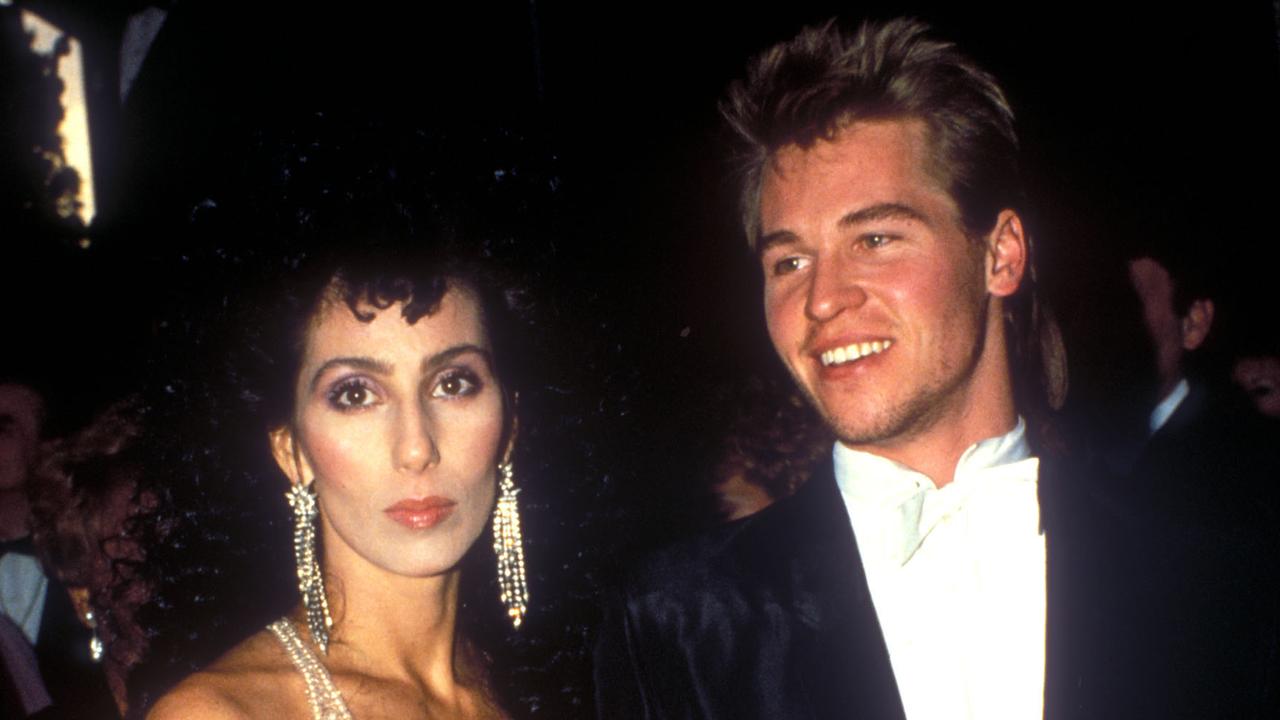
808	88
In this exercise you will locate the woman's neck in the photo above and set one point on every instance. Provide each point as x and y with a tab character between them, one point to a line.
395	626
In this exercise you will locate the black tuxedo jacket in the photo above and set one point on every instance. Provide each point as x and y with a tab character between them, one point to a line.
771	617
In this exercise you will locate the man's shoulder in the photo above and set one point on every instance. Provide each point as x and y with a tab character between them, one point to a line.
1215	438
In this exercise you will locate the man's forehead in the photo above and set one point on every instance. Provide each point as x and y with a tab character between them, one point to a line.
866	164
1148	275
868	139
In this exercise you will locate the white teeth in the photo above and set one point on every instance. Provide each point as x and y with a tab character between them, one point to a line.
853	351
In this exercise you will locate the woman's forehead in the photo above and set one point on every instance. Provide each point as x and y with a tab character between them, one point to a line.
337	327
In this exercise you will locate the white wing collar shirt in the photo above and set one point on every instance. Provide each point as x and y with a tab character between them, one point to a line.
957	576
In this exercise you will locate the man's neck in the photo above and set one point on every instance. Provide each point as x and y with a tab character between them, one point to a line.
936	453
983	408
15	514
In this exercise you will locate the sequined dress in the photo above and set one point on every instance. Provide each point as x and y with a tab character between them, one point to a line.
326	702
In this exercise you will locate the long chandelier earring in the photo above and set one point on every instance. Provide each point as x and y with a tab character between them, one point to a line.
310	580
96	648
509	547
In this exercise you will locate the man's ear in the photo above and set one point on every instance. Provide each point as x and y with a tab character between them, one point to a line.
1006	255
288	456
1197	323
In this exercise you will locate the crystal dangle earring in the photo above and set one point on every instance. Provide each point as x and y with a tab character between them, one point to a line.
96	648
509	547
310	580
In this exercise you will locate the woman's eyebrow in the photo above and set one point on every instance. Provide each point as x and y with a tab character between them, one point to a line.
447	355
368	364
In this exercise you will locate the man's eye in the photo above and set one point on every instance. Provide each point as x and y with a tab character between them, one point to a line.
456	384
788	265
875	241
352	394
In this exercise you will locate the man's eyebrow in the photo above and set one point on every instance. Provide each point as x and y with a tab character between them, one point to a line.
883	211
872	213
368	364
777	237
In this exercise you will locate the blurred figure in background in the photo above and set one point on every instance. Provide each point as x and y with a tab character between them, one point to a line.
773	440
1259	377
1255	366
66	682
1194	412
1202	478
22	584
84	499
1178	317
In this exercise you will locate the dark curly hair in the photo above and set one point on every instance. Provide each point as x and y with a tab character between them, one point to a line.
85	505
383	216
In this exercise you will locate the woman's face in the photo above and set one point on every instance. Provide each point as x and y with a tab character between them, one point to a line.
399	426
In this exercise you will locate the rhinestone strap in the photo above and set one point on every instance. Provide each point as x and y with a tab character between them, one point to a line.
326	701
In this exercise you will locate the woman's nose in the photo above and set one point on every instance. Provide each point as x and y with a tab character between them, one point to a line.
415	448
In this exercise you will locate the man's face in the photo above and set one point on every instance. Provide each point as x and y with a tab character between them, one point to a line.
1154	286
874	297
20	409
1259	376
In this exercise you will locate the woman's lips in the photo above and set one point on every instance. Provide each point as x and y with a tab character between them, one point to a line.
423	513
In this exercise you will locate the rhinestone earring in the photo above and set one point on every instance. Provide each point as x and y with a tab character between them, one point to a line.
96	648
509	547
310	580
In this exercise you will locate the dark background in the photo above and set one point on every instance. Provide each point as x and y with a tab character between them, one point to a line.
1140	124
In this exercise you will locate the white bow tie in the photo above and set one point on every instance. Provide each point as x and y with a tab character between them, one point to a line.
928	507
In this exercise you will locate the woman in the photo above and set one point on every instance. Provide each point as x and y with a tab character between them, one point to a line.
399	435
84	501
372	382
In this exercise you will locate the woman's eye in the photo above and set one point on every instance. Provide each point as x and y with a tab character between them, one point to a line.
352	394
456	384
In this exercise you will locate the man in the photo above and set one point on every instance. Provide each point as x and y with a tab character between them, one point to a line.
21	418
1257	373
22	581
1203	480
1178	321
934	568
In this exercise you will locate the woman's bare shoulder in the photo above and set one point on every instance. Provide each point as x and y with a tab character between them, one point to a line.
253	679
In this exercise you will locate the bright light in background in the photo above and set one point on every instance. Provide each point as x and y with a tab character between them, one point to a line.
74	129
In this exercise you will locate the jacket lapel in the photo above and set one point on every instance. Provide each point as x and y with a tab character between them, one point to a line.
1086	639
846	668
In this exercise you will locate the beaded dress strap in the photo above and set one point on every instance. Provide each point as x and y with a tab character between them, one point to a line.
326	701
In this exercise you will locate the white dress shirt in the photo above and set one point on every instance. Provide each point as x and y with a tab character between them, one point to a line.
957	576
1168	406
22	590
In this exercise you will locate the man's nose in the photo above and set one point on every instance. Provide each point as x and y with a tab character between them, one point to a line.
833	288
415	443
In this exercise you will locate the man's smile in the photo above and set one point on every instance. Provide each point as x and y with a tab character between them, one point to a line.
853	351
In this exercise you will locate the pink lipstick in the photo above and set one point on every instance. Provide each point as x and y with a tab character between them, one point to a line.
421	513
